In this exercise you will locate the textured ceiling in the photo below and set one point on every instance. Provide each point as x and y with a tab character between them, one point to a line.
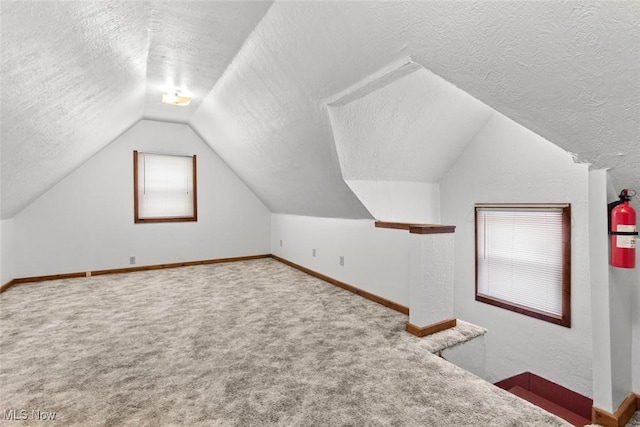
190	46
73	78
76	74
411	129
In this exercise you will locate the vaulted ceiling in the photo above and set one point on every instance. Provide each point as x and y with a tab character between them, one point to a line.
267	78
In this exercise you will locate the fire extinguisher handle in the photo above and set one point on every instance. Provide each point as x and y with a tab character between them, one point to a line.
625	196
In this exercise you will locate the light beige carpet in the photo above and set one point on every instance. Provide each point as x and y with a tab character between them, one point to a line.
251	343
451	337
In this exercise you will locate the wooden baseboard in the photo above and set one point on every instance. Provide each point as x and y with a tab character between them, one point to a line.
178	264
621	416
430	329
7	285
127	270
22	280
387	303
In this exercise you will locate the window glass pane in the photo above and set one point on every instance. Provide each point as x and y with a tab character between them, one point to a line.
165	186
520	256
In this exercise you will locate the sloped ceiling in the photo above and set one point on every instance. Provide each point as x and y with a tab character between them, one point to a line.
411	129
76	74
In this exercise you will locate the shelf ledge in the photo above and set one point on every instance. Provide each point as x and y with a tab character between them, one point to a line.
417	228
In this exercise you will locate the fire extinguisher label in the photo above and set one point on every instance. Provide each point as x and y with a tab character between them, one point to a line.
626	241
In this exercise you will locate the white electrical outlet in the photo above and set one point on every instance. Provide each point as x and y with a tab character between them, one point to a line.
313	252
132	260
342	260
280	243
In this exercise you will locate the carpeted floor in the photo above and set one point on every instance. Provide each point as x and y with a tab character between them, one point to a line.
451	337
252	343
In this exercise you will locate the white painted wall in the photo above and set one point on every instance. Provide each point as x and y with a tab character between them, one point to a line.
396	201
621	295
470	355
599	271
624	313
6	251
376	259
635	314
622	282
635	355
397	133
508	163
85	222
431	278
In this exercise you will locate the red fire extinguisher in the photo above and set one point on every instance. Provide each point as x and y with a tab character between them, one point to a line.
622	228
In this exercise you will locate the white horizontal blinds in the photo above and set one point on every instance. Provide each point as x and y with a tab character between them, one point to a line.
165	186
520	256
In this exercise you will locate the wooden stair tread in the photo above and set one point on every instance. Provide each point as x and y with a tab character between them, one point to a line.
550	406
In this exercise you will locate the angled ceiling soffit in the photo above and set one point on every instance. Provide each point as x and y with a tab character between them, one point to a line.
403	123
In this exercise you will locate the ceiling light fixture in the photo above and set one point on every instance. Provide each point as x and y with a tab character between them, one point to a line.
176	98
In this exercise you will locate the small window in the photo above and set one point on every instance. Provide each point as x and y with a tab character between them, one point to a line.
164	187
523	259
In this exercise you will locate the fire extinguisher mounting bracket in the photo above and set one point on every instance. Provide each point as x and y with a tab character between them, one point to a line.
623	233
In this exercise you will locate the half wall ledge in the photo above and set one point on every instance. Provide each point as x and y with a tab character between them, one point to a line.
417	228
430	276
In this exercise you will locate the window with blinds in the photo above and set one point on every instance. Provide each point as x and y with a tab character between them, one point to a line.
164	187
523	259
